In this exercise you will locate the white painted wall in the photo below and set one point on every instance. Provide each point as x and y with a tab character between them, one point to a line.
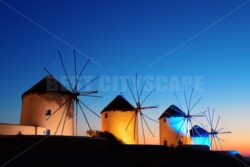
34	107
13	129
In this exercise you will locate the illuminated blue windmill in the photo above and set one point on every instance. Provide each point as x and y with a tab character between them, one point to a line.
199	136
171	126
215	131
175	118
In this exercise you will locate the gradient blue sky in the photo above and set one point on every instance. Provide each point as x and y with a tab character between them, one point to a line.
125	37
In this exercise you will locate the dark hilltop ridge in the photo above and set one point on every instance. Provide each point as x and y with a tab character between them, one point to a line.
104	150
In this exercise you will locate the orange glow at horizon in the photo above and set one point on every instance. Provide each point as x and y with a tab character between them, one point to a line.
232	142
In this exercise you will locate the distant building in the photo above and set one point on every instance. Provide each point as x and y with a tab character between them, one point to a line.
199	136
45	98
115	118
173	128
17	129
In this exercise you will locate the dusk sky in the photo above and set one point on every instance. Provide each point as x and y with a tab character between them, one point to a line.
202	44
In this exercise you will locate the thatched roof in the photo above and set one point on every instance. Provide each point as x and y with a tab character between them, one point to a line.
198	131
47	84
172	111
119	103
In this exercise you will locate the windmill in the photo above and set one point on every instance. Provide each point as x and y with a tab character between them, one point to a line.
215	131
187	116
74	96
139	102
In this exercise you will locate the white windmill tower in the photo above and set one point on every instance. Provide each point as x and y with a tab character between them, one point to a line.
51	105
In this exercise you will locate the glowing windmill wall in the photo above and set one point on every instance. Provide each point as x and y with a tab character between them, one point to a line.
169	128
116	123
201	141
35	106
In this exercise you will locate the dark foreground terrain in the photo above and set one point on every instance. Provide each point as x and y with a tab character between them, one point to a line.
87	151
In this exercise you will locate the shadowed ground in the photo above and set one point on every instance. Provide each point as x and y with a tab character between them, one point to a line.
103	151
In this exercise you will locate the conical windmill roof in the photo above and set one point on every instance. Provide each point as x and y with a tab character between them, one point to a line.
198	131
47	85
119	103
172	111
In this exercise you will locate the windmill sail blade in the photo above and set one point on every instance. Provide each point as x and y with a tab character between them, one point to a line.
58	109
91	81
93	96
219	142
80	74
140	94
220	139
178	133
208	120
75	88
213	117
186	137
131	91
73	99
147	126
217	123
150	118
215	142
178	101
201	113
130	120
64	69
215	130
185	96
196	115
190	99
136	86
135	123
76	117
220	129
147	96
84	114
224	132
195	104
143	134
68	110
88	93
88	108
60	120
150	107
211	142
139	107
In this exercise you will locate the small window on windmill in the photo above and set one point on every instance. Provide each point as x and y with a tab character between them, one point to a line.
165	143
106	115
164	120
48	113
